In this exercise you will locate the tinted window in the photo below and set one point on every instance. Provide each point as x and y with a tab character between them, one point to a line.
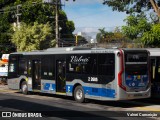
22	66
136	63
155	69
106	64
136	57
47	65
82	64
139	69
13	65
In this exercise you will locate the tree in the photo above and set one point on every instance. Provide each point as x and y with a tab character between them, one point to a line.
81	40
136	26
4	28
5	34
130	6
33	12
66	25
118	35
36	37
152	38
100	36
106	37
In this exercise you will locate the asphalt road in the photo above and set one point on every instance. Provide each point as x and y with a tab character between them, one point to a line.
44	106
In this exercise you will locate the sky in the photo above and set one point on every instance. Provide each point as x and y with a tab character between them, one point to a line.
90	15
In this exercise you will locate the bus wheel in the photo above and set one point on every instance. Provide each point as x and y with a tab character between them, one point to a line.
79	94
24	87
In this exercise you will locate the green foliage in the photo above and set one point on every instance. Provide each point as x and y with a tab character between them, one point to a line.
139	29
5	34
104	36
4	28
130	6
30	13
100	35
39	12
118	35
152	37
36	37
70	26
81	40
66	25
136	26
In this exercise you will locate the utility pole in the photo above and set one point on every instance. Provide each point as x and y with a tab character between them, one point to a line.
56	3
17	15
56	23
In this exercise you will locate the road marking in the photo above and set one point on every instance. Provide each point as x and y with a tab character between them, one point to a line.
148	109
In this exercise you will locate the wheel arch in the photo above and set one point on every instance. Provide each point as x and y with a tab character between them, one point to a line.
22	80
77	84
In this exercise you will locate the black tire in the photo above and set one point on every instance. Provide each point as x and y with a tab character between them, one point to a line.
79	94
24	88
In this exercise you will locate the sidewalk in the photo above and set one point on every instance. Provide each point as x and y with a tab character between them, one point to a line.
3	87
3	82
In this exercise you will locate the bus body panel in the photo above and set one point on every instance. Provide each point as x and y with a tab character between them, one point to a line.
43	70
14	83
133	87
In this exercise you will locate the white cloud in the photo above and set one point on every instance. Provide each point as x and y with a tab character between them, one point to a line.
92	29
89	29
91	15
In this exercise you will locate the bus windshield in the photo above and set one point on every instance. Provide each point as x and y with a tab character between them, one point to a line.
136	70
136	63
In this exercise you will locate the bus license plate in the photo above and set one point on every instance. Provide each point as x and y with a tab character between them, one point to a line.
138	95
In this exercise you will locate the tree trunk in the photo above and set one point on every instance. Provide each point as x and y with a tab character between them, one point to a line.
156	8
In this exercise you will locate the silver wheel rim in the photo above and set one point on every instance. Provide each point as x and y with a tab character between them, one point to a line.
24	87
79	94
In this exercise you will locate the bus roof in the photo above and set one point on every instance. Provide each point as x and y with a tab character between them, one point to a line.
71	50
68	50
154	51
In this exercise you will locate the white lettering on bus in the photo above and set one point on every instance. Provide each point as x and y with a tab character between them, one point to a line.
93	79
80	59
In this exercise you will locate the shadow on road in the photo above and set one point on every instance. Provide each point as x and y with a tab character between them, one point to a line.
124	104
52	111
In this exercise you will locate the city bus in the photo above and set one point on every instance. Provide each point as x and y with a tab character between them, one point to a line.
84	73
155	71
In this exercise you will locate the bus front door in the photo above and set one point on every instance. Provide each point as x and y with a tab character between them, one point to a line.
155	77
36	74
61	76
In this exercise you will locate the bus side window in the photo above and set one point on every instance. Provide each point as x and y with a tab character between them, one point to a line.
106	64
157	70
70	67
75	68
78	68
158	76
23	66
152	70
47	67
29	68
82	64
13	65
